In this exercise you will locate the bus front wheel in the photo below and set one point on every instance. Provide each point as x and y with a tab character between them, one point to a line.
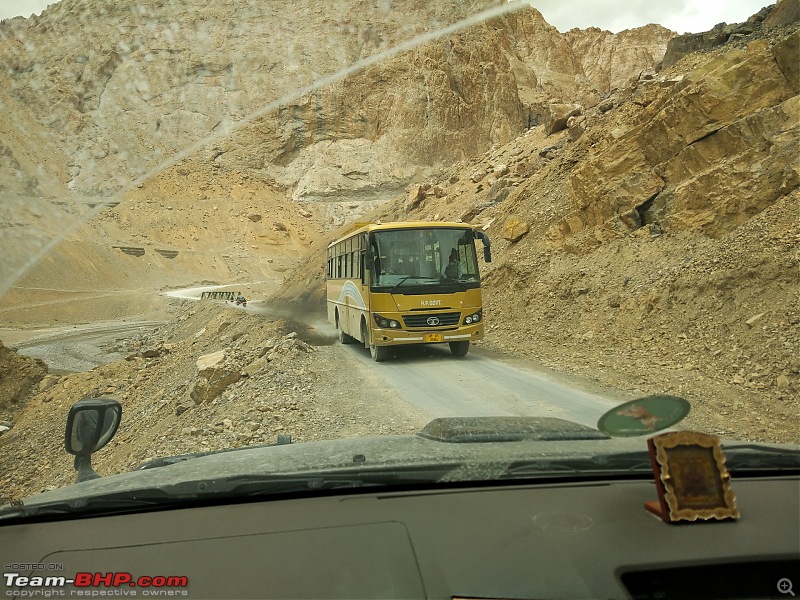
459	348
379	353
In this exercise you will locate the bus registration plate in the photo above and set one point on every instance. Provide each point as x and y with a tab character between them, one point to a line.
433	337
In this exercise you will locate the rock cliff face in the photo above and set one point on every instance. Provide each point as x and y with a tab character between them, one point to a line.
611	60
113	90
365	138
708	151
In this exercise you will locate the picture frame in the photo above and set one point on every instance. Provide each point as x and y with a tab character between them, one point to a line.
691	478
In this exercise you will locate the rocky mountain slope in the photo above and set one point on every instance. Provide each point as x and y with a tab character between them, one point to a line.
654	244
98	94
117	88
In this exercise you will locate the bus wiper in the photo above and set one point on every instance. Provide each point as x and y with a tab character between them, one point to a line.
399	283
407	277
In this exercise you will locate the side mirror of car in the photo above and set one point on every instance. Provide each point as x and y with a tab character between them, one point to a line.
91	424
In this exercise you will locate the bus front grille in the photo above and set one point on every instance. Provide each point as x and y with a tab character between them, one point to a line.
432	320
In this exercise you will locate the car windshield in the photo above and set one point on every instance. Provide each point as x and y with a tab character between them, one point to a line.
261	225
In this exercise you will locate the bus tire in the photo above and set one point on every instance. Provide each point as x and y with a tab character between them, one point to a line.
459	348
379	353
343	337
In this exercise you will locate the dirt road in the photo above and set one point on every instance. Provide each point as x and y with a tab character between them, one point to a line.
436	383
481	385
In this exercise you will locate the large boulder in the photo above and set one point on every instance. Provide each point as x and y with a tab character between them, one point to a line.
557	115
215	372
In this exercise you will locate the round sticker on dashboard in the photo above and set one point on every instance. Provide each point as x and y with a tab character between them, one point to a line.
643	416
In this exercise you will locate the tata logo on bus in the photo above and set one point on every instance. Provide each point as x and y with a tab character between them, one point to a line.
433	320
430	302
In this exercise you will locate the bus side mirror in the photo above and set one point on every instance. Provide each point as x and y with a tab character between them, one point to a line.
487	248
91	424
369	260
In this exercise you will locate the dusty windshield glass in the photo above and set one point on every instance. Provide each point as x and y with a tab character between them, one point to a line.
425	256
190	193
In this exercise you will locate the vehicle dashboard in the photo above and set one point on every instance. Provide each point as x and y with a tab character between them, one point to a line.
535	540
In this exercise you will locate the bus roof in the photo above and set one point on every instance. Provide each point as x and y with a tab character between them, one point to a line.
366	227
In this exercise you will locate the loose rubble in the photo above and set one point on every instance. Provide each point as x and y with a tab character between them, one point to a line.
216	378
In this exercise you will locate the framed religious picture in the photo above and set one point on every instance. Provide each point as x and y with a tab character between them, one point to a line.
691	478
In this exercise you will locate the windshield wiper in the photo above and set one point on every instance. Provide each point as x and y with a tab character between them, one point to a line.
589	466
407	277
399	283
738	459
84	504
171	460
752	457
237	487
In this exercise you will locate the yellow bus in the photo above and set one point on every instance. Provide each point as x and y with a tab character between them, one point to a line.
407	283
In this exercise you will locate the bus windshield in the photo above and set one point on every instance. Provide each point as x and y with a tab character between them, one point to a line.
423	257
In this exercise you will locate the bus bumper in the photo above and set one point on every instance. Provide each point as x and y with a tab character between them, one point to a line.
392	337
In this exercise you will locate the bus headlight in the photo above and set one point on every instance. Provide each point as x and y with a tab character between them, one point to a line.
385	323
474	318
